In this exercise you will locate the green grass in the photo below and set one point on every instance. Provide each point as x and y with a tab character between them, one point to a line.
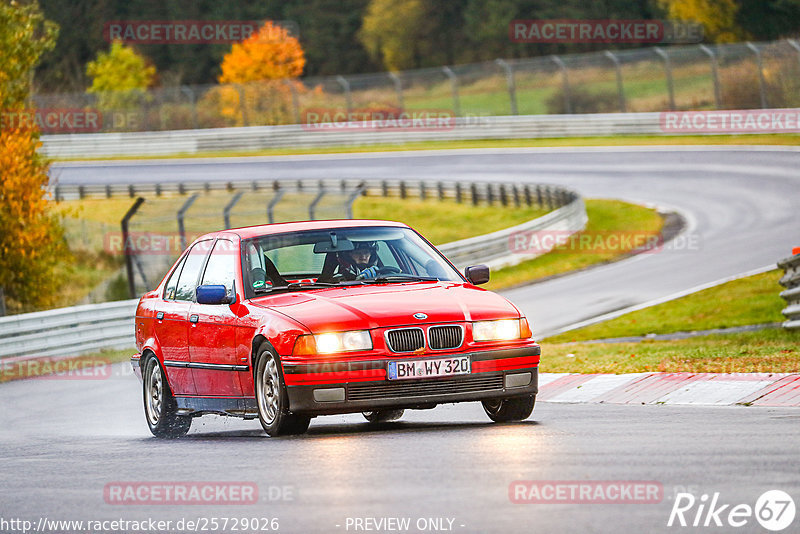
626	140
747	301
764	351
606	218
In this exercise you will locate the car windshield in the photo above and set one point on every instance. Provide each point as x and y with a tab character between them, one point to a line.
341	256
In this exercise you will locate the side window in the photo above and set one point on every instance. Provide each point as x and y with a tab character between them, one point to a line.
219	270
172	283
191	270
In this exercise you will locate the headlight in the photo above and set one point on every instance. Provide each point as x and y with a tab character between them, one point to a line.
332	342
503	330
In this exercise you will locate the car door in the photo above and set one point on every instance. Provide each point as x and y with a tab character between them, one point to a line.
212	330
172	319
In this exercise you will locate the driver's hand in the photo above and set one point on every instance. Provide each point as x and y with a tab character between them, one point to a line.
369	272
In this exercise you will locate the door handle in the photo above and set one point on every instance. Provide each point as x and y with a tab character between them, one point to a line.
193	318
160	316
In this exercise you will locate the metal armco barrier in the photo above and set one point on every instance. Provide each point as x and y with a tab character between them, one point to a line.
161	143
85	329
791	281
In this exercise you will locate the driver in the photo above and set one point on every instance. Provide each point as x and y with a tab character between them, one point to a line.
359	263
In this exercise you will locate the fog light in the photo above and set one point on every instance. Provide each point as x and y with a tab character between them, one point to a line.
329	395
518	380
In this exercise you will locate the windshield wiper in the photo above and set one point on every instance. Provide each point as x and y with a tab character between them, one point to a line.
400	278
303	285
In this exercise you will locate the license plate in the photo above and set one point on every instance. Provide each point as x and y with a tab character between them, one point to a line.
402	370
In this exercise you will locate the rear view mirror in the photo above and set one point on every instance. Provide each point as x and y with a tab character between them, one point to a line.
335	244
477	274
213	294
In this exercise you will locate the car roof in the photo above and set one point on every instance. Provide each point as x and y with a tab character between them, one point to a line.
248	232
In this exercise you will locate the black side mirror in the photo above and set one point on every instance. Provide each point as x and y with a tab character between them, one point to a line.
477	274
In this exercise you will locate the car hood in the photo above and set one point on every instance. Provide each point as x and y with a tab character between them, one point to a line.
374	306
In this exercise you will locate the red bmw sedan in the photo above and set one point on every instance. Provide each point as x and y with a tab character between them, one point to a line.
285	322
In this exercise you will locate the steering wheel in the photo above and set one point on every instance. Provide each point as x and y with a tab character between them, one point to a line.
388	269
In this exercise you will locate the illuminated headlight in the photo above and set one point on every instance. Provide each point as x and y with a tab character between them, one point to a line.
343	341
504	330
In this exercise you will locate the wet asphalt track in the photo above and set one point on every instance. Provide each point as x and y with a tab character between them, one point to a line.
62	441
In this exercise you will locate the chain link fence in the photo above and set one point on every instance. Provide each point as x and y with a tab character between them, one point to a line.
699	77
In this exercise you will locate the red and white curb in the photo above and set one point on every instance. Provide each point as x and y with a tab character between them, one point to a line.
705	389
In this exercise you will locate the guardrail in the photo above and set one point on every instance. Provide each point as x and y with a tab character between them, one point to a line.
160	143
791	281
89	328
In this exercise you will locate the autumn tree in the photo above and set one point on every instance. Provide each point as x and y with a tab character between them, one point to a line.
30	237
718	17
259	76
120	77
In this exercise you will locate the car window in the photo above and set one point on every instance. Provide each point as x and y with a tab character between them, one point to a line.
191	270
219	270
172	283
297	259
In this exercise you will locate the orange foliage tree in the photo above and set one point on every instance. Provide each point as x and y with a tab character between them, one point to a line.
260	74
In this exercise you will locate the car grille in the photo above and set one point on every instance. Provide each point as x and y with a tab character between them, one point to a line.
444	337
405	339
404	389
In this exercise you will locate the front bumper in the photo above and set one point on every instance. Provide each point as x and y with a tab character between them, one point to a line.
495	374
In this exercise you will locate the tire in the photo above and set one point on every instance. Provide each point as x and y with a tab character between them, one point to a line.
271	397
506	410
383	416
160	408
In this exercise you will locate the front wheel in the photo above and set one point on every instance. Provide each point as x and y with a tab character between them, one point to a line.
272	400
505	410
160	408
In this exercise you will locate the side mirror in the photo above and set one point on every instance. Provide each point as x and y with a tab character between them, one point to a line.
213	294
477	274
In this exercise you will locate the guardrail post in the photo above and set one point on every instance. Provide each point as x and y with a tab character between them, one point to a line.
360	190
668	73
527	191
489	194
126	245
762	85
403	192
313	206
226	213
515	191
398	89
564	81
458	193
714	74
473	189
181	215
440	190
539	200
454	88
503	195
384	188
187	90
108	191
131	190
423	192
347	97
512	87
274	202
618	70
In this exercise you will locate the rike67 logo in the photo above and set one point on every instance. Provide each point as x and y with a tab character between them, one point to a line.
774	510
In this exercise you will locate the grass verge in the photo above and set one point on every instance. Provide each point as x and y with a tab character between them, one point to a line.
628	140
747	301
95	366
764	351
606	218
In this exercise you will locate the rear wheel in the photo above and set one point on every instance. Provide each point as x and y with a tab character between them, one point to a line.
160	408
383	416
505	410
271	397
